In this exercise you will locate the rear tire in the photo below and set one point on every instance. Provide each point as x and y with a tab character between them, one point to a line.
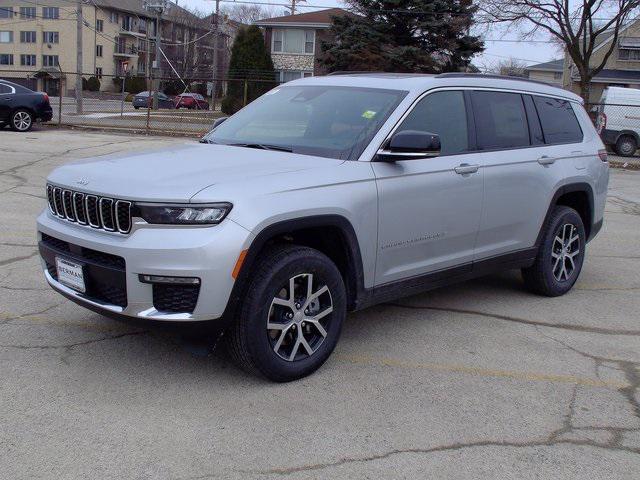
560	255
626	146
21	120
291	317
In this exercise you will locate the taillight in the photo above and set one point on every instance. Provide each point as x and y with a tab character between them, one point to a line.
603	155
46	97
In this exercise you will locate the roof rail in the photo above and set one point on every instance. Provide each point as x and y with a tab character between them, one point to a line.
489	75
353	72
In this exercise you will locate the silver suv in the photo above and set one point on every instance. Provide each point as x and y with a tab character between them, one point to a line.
328	195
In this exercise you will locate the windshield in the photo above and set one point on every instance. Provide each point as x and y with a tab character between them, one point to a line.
327	121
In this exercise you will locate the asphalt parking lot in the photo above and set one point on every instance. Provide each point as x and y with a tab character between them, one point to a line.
479	380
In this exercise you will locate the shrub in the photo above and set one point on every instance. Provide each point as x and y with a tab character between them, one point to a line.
93	84
132	84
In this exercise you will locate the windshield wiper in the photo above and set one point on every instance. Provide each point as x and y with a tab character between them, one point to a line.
263	146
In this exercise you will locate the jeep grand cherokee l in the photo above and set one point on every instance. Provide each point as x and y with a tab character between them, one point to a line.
327	195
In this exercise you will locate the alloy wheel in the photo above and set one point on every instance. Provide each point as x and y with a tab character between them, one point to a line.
21	121
566	246
299	318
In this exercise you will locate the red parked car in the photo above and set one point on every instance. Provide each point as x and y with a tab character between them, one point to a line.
191	101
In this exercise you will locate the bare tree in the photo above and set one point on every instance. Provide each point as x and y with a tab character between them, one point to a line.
248	14
580	26
511	67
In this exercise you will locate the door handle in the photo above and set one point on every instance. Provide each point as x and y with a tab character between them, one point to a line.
465	168
545	160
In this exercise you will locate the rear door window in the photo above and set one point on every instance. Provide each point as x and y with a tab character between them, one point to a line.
559	122
5	89
501	121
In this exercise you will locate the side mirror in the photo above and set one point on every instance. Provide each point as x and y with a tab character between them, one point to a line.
410	145
218	122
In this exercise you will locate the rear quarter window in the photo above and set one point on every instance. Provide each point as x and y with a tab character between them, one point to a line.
558	120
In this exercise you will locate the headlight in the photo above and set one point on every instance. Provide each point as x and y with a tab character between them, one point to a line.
209	214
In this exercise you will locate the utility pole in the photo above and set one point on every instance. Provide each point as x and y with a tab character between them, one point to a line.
293	5
79	57
158	7
214	78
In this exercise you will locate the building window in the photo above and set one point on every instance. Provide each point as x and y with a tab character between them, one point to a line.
51	13
28	12
6	37
99	72
50	60
6	59
557	75
288	75
28	60
142	66
127	24
27	37
628	54
113	17
142	45
50	37
98	50
99	25
6	12
293	40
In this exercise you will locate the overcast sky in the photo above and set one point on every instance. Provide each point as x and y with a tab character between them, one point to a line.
528	52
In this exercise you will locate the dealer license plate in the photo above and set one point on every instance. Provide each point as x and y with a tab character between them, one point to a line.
70	274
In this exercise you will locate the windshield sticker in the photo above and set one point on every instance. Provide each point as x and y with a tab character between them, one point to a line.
369	114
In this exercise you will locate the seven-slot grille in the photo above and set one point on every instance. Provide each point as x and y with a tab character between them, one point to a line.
105	213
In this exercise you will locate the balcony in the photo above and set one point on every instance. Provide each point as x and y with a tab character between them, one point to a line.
122	50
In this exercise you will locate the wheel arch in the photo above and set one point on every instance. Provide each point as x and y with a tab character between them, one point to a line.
578	196
631	133
332	235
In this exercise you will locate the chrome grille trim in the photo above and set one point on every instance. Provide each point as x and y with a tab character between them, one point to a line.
108	224
50	199
67	205
105	213
123	204
57	200
81	212
92	211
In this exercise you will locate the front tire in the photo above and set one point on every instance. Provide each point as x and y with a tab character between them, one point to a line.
560	255
291	316
626	146
21	120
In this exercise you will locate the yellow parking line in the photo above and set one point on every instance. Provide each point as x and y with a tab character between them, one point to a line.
482	372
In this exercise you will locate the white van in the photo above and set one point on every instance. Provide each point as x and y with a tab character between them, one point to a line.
618	119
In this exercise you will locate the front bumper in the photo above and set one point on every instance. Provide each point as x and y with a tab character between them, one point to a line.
208	253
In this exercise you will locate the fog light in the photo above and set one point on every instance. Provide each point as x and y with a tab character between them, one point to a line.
169	280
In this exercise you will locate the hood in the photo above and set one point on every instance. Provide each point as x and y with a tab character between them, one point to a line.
176	174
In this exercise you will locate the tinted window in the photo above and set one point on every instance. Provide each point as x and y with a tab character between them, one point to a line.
442	113
5	89
559	122
501	121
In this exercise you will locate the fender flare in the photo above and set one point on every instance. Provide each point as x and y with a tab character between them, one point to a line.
355	271
562	190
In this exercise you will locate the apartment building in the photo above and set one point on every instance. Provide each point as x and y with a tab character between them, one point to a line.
38	41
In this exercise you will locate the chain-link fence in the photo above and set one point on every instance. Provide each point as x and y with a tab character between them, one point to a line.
618	126
181	107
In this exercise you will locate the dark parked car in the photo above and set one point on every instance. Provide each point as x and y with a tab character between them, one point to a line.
20	107
191	101
145	99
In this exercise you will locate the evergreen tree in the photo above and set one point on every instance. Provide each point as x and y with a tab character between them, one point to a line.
250	60
425	36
